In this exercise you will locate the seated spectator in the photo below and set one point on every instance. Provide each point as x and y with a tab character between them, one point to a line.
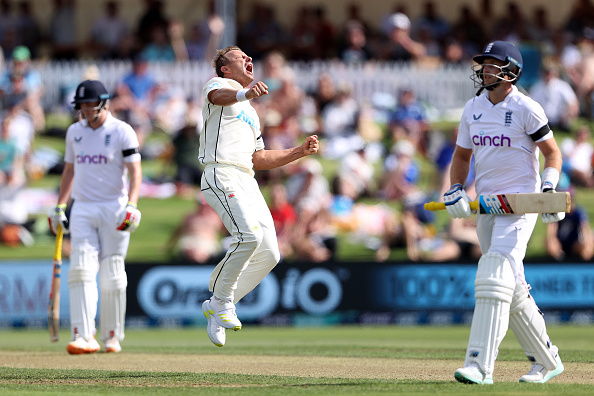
460	242
325	34
408	121
556	97
262	33
399	45
437	27
13	211
166	45
443	159
303	35
401	172
198	237
108	31
12	169
133	98
20	79
274	66
205	35
572	237
355	174
339	124
185	157
315	239
307	188
355	50
28	28
286	101
18	125
285	219
62	31
578	158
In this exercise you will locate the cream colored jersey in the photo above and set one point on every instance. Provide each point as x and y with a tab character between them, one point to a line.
99	157
231	134
503	140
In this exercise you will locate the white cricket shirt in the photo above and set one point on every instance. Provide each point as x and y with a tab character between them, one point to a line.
99	157
231	134
502	138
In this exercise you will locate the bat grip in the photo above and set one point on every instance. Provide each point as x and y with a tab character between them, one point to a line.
433	206
58	248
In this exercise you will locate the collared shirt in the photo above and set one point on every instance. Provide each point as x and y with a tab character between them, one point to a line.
503	140
231	134
99	157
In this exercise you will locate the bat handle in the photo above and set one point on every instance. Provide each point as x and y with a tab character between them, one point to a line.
433	206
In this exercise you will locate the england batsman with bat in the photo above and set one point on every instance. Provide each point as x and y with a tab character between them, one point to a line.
100	151
505	130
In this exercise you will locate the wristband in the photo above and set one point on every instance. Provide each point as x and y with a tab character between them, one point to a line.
240	96
131	204
61	206
550	175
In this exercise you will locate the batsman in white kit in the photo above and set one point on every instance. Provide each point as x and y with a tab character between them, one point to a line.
505	130
100	152
231	148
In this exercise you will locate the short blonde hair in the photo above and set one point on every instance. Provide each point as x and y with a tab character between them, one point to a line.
221	60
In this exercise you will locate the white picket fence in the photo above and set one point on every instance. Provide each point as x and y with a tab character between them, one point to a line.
443	88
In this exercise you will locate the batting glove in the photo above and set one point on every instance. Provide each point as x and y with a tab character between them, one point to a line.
129	219
550	178
457	202
56	216
551	217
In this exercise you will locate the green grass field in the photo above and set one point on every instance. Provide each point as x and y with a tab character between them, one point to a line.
289	361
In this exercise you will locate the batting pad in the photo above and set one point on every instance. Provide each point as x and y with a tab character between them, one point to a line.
527	323
82	285
494	288
113	282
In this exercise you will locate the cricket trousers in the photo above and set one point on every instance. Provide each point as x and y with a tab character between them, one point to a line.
235	195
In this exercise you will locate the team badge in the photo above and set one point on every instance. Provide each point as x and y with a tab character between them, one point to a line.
508	118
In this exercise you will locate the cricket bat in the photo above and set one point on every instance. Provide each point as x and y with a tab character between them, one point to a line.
53	310
515	203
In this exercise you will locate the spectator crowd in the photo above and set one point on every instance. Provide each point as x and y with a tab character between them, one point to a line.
373	192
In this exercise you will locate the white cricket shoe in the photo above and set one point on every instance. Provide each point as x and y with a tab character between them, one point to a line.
79	345
224	313
472	374
215	332
112	345
539	374
93	346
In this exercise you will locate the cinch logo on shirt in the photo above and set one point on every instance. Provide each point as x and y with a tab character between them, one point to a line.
83	158
497	141
245	118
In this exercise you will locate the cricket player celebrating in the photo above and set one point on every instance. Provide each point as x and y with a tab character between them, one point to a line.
231	148
100	150
504	130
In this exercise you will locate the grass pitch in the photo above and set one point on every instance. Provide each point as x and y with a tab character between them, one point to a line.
289	361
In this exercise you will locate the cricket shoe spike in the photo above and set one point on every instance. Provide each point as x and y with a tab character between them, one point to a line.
539	374
112	345
215	332
472	374
224	313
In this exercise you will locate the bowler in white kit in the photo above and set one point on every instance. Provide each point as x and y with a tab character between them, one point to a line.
231	148
100	152
505	130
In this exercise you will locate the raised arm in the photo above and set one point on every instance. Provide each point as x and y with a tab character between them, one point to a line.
270	159
229	96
